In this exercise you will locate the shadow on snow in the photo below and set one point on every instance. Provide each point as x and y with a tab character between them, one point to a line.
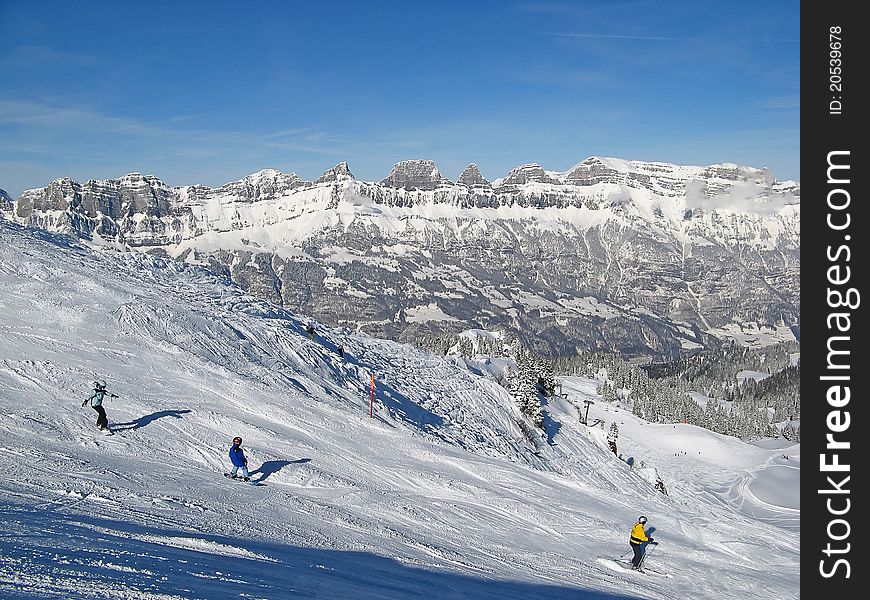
92	556
551	425
148	419
273	466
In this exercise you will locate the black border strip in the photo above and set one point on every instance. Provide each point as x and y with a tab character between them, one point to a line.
833	244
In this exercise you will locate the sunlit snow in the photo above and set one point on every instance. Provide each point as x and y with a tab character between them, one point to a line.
439	494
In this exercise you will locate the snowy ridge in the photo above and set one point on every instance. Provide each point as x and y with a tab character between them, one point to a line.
441	494
413	189
673	254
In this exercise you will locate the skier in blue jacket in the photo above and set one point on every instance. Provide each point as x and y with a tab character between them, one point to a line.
237	456
96	399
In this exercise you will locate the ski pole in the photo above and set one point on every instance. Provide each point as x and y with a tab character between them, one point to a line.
645	554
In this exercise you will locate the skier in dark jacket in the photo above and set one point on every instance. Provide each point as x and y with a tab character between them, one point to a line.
96	399
638	541
237	456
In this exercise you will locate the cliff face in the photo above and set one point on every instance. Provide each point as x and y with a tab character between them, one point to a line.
644	258
7	204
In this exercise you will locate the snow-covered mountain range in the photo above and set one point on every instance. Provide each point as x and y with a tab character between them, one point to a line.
643	258
440	494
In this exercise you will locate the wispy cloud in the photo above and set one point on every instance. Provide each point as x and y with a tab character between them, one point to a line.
85	143
23	56
61	118
781	103
748	198
659	38
77	121
619	36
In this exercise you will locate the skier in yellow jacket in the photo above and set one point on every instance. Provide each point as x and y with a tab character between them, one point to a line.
638	541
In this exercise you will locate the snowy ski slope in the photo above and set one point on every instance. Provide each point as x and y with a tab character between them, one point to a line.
439	495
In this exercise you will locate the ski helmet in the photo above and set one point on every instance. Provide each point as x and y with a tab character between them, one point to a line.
641	519
237	441
100	384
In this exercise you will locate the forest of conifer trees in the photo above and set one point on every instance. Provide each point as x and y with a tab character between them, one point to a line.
749	393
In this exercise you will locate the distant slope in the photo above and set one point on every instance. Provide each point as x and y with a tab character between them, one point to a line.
439	495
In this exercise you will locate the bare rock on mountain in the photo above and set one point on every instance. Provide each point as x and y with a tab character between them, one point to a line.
644	258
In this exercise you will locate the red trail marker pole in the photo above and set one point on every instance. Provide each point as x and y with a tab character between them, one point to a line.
372	399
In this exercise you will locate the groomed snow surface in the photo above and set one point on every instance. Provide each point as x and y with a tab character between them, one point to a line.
439	495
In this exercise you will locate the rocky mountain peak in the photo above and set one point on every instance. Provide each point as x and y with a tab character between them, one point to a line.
528	173
414	174
270	177
336	173
60	194
590	171
267	184
471	177
466	264
133	177
733	172
137	181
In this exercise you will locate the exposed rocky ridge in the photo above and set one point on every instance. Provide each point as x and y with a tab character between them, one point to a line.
336	173
415	174
7	204
471	177
528	173
643	258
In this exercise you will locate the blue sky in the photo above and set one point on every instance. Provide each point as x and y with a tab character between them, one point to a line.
208	92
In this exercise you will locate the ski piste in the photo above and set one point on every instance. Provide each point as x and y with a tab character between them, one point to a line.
365	480
625	566
644	569
242	480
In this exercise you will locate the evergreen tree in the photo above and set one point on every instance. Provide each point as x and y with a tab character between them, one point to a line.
749	407
525	390
612	436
